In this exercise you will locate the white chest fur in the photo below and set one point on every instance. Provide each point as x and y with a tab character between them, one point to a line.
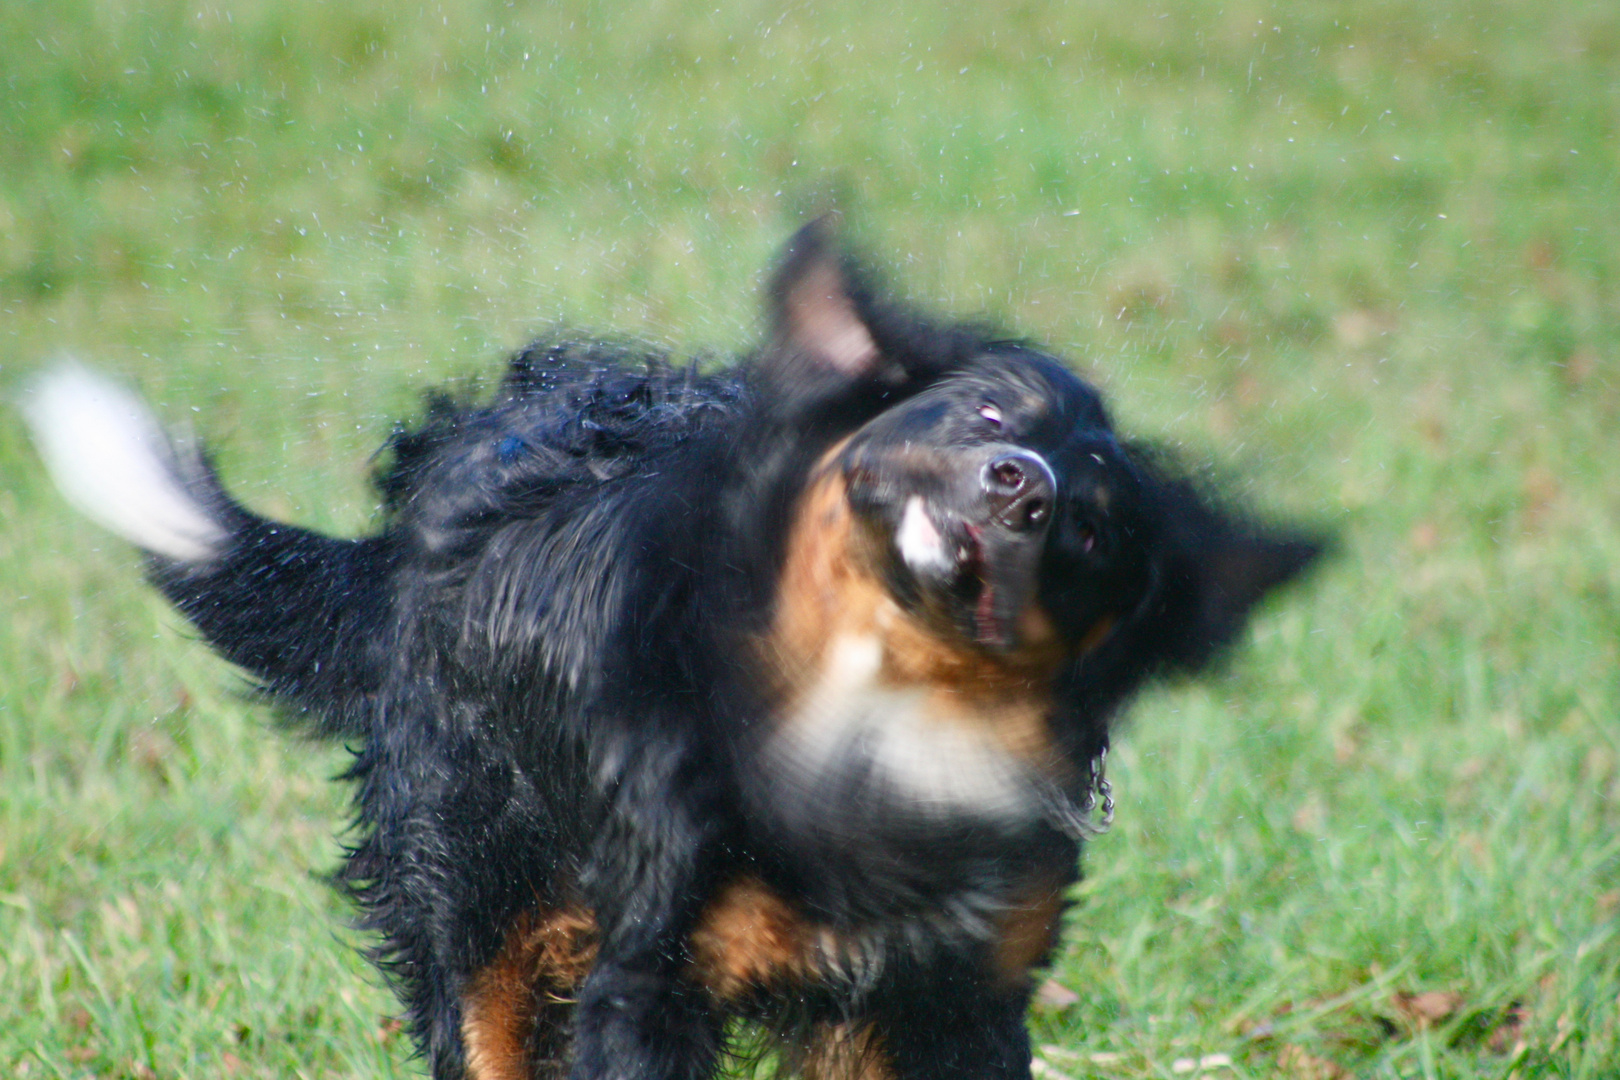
854	731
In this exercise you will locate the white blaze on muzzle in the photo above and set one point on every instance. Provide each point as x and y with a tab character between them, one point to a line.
919	541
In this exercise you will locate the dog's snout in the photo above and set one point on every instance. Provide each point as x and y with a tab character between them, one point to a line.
1020	488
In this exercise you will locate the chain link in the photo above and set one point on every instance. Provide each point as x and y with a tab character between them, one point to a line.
1093	815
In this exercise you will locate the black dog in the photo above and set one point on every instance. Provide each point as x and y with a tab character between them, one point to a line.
779	694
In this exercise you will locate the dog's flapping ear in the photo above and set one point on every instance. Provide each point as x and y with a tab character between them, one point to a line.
1220	573
1241	572
817	303
834	337
822	339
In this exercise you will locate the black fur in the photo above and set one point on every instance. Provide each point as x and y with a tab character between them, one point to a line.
550	664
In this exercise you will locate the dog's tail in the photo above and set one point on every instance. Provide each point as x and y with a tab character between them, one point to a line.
305	614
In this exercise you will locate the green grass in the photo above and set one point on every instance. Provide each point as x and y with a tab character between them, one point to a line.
1366	257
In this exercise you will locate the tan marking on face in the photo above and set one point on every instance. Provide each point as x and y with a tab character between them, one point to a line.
545	956
1027	933
819	581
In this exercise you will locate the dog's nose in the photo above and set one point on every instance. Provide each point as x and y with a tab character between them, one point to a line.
1019	487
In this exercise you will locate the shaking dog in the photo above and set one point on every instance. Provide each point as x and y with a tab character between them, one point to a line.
779	695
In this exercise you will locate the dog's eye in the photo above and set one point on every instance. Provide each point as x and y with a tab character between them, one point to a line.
991	413
1087	532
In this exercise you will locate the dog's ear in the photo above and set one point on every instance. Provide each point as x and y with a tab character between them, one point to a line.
837	341
821	337
1221	576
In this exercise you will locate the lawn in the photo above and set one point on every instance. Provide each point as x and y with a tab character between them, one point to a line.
1364	259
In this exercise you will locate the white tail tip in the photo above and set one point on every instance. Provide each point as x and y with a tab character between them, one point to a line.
114	463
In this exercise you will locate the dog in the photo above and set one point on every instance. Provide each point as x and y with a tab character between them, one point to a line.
776	696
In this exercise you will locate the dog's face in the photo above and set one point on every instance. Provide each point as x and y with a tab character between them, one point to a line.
990	495
998	506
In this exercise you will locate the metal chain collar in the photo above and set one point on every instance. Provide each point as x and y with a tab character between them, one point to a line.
1093	814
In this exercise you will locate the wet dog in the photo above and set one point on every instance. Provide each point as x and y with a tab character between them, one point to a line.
780	694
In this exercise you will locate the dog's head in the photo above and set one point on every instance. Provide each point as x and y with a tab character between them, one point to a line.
984	486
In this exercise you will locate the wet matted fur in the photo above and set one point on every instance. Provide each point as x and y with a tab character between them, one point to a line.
779	693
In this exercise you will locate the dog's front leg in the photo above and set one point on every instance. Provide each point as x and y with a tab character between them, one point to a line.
643	1025
955	1026
638	1017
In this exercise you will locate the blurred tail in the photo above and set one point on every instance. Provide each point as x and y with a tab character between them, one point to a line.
304	613
116	466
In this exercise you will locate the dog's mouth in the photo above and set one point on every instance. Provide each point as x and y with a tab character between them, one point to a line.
965	531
